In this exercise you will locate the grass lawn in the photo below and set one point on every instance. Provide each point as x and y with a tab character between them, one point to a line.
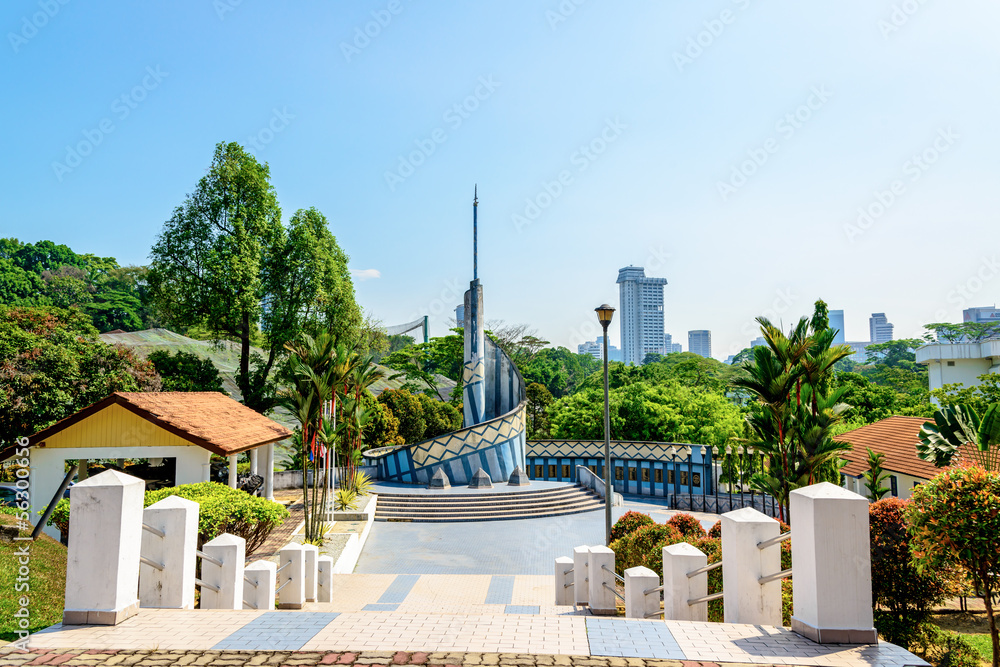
47	581
973	627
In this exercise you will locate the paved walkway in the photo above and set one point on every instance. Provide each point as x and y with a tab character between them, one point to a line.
570	634
520	546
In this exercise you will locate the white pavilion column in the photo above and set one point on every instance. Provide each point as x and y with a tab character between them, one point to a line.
232	470
269	472
105	537
254	461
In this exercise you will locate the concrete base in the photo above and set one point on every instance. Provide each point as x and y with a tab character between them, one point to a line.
835	635
99	616
289	605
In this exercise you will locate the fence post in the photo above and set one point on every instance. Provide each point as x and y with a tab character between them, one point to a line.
743	564
831	554
564	581
291	577
638	604
678	588
102	564
581	568
172	585
324	575
311	554
228	577
602	581
259	585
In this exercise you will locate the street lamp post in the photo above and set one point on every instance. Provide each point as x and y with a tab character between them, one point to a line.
604	315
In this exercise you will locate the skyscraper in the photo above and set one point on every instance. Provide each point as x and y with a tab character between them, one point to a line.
641	301
880	328
700	342
837	322
981	314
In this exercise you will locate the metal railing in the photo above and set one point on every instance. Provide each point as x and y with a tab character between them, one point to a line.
613	590
704	570
152	563
774	540
613	573
707	598
205	584
766	544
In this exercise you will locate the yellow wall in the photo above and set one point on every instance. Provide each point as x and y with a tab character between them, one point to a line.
114	426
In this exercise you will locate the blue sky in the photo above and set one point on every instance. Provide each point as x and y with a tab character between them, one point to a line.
726	146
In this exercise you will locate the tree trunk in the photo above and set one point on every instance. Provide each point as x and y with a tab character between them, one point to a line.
305	478
244	375
988	600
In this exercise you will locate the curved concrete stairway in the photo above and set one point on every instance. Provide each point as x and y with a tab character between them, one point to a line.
486	505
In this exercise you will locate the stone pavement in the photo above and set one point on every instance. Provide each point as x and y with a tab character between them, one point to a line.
566	634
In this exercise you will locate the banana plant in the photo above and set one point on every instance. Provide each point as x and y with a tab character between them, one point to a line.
958	428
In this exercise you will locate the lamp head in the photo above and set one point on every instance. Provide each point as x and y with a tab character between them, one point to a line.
604	314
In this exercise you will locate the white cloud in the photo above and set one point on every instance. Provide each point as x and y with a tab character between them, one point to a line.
365	274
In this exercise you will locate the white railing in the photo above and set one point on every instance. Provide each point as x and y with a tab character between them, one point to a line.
831	590
122	557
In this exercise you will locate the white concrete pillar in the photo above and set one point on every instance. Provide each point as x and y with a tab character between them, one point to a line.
324	579
232	470
230	550
259	584
102	564
602	581
831	555
206	472
254	463
638	603
743	564
269	472
564	580
678	587
291	577
310	563
171	587
581	570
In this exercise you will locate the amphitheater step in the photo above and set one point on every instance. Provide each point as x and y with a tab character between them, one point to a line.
486	506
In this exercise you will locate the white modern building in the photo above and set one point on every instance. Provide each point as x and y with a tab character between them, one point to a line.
837	322
641	312
860	355
982	314
951	363
675	347
880	328
595	349
700	342
759	341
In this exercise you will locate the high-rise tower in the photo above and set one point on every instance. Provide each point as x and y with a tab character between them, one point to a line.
641	302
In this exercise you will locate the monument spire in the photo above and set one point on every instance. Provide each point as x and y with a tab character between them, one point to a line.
475	233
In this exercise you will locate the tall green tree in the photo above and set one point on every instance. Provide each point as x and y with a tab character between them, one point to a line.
224	262
795	412
876	475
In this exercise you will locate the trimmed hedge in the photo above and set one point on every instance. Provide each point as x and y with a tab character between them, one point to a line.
221	509
687	525
629	523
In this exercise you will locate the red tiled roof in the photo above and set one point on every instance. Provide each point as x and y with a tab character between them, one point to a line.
204	418
896	437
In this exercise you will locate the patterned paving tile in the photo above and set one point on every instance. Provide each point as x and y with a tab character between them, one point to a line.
627	638
380	606
277	631
399	589
522	609
501	590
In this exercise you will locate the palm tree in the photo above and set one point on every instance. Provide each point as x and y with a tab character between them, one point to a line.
959	429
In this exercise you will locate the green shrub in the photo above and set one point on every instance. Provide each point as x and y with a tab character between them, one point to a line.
629	523
642	547
716	529
226	510
688	526
942	648
60	518
345	500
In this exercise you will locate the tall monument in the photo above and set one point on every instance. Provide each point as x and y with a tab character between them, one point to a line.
474	368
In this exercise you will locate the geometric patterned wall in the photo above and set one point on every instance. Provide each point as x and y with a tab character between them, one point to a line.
640	468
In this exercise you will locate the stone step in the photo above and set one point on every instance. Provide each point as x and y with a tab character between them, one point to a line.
441	517
398	505
449	496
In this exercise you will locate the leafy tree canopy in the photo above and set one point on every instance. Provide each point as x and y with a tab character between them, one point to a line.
185	371
963	332
54	365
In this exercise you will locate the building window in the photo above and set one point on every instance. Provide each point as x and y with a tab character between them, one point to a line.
658	475
565	471
618	473
951	363
645	474
552	471
684	477
892	485
696	479
538	472
670	476
631	474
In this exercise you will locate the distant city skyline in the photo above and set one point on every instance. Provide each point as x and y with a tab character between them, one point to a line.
587	159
